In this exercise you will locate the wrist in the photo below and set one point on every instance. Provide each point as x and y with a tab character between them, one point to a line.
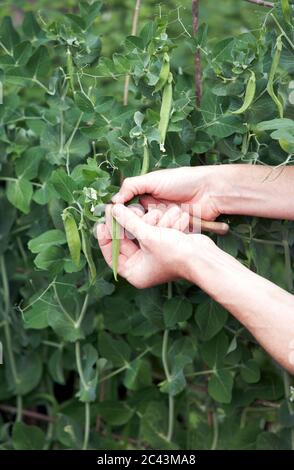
200	256
241	189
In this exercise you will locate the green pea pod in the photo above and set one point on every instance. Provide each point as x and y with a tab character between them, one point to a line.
115	246
286	9
164	73
166	104
145	164
86	247
249	94
270	84
72	236
70	69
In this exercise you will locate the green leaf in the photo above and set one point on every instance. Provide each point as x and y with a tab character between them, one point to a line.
39	63
29	369
210	318
50	259
28	164
225	126
177	381
220	386
36	317
270	441
138	375
115	413
115	350
64	326
55	366
8	35
83	102
250	371
283	123
64	185
214	351
176	310
26	437
19	194
153	427
88	386
47	239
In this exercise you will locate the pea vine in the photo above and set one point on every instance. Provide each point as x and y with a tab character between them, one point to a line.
91	363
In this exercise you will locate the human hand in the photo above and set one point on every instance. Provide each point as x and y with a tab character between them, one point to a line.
162	249
194	187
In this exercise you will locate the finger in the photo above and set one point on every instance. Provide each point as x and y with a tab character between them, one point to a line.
108	217
132	187
149	202
128	247
170	217
105	242
152	217
130	221
138	209
182	223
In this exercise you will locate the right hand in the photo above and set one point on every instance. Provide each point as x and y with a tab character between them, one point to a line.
193	186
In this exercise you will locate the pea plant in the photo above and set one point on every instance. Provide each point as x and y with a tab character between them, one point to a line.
90	363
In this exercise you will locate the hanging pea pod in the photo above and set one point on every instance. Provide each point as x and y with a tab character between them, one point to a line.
164	73
249	94
86	247
72	236
166	104
286	9
70	70
270	84
115	246
145	163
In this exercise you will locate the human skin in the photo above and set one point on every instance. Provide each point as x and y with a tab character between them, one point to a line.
163	251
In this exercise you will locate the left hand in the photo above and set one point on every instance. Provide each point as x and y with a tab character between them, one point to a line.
161	249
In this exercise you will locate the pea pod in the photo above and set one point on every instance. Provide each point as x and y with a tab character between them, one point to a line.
249	94
164	73
270	84
72	236
86	247
145	164
70	69
115	246
286	9
166	104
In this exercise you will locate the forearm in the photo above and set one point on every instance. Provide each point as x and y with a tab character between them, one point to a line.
255	190
266	310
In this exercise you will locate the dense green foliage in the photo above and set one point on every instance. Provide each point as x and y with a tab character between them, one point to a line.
112	366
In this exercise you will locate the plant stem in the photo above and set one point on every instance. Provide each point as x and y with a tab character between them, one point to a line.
197	58
6	297
164	354
261	3
83	311
79	365
290	285
124	367
19	408
87	426
134	32
215	431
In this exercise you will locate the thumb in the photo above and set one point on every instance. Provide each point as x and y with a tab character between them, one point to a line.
131	221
